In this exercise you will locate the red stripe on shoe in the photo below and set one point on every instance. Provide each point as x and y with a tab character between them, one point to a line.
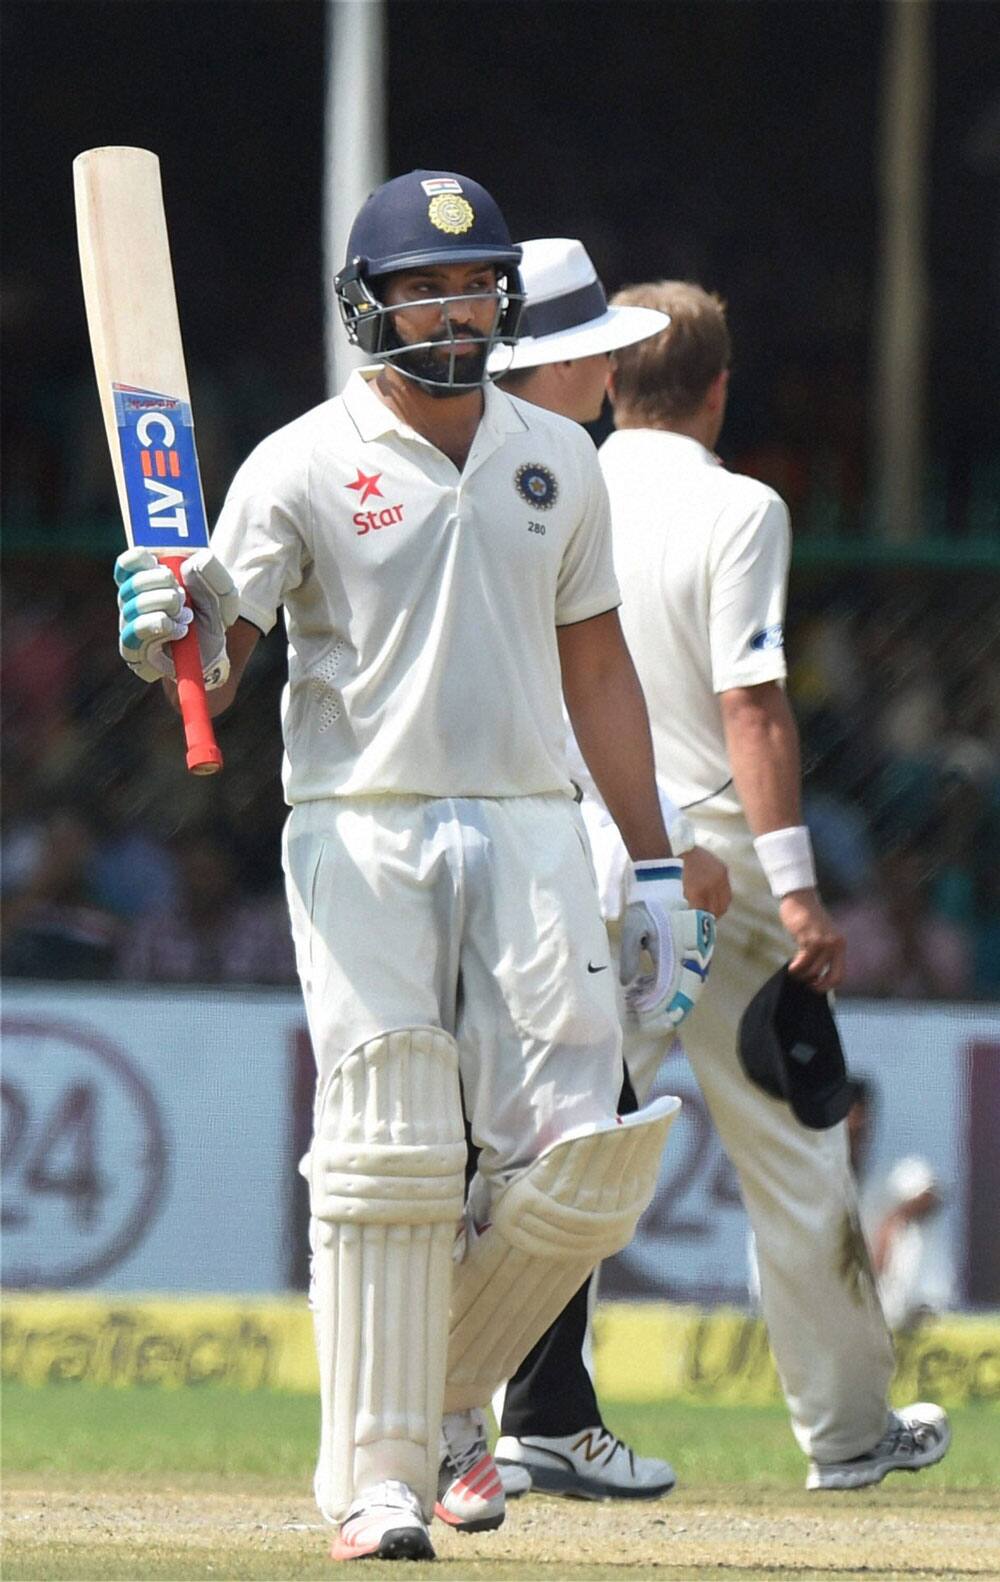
353	1548
445	1515
482	1474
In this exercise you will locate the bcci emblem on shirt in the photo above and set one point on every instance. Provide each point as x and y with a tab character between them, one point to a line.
536	484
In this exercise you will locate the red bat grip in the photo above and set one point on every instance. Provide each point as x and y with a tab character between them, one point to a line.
203	755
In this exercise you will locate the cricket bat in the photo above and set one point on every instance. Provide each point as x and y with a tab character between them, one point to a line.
135	337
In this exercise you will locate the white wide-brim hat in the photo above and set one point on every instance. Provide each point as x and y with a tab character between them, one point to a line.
566	313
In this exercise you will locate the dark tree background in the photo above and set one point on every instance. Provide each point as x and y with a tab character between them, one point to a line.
729	140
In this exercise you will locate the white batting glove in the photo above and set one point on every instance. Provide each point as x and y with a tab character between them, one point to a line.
153	613
677	941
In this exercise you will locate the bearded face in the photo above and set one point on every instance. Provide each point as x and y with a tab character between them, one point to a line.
447	363
440	323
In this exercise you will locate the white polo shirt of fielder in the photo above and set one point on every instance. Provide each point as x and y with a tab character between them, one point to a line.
420	604
702	558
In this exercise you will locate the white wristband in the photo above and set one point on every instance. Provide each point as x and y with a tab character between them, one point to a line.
786	856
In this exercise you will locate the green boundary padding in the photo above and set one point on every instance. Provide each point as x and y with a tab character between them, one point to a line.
943	554
101	537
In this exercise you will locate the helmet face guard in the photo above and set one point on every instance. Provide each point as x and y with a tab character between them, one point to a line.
369	325
425	219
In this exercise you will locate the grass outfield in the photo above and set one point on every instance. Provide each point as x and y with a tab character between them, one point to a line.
123	1484
76	1431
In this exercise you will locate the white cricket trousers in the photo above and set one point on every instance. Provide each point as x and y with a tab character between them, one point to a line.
479	917
829	1338
441	942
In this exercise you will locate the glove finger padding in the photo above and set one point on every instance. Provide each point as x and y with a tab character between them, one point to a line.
209	584
216	603
153	613
677	940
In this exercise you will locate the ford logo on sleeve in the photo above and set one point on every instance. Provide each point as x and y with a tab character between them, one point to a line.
770	637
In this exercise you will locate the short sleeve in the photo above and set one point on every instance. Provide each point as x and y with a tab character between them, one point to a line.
749	580
587	584
260	537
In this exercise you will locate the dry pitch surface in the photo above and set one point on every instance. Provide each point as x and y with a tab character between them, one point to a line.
84	1532
167	1486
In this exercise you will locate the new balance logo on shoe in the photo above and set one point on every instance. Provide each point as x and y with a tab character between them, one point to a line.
590	1450
591	1464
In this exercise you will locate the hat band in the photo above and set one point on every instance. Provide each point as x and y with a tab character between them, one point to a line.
565	312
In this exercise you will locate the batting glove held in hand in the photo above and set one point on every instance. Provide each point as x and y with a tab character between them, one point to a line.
677	940
153	614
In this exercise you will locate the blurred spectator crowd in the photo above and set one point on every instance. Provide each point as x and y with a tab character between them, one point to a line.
116	863
895	678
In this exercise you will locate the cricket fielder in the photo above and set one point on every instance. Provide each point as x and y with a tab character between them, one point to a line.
441	553
702	558
561	362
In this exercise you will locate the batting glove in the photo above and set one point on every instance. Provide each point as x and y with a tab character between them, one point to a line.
677	940
153	613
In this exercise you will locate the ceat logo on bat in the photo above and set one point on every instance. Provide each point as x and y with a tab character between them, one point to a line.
156	435
366	485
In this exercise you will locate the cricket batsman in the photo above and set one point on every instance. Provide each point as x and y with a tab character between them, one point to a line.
441	554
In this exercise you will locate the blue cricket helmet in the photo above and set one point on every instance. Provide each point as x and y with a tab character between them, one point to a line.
425	217
429	217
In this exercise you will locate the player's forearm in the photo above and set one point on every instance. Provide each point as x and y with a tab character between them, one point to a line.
763	746
217	701
612	728
608	712
241	640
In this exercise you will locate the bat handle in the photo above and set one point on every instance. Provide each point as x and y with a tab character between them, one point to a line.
203	755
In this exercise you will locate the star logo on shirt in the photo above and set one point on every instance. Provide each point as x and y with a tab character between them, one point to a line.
366	485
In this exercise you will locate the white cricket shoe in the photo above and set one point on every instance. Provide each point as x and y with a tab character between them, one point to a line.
589	1465
470	1494
916	1436
384	1523
516	1479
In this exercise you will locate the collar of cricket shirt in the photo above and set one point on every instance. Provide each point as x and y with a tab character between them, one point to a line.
374	420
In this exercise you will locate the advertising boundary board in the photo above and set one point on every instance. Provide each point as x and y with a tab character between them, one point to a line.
148	1137
644	1352
152	1138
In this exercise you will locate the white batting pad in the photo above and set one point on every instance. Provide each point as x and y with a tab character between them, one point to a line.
386	1177
576	1204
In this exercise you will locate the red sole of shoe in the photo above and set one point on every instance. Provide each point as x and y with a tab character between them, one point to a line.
486	1524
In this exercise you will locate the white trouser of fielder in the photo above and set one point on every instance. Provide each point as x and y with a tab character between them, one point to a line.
829	1338
437	939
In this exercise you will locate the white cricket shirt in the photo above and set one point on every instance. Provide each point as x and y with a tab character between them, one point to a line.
702	560
420	603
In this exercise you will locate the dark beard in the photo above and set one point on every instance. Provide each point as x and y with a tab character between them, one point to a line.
423	364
